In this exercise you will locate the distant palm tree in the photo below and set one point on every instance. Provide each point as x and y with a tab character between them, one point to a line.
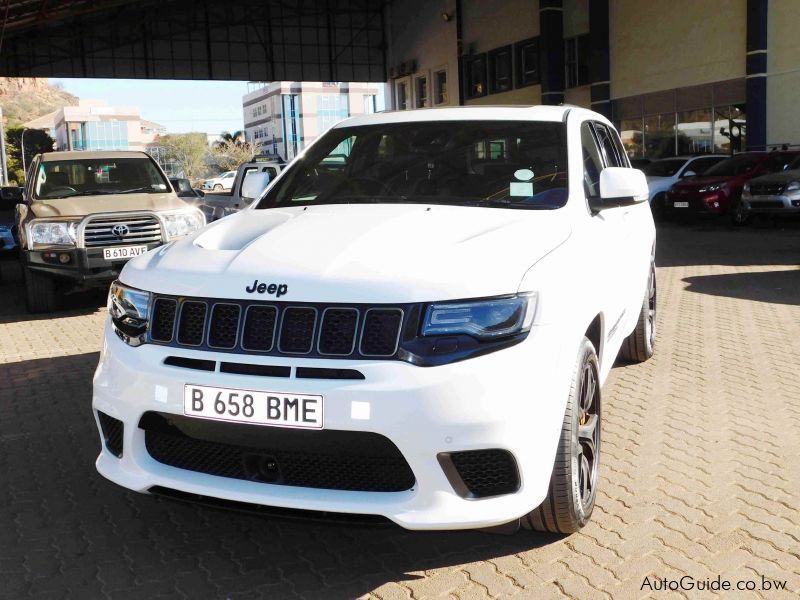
237	138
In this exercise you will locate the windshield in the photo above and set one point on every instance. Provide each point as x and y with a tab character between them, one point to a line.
472	163
664	168
96	176
737	165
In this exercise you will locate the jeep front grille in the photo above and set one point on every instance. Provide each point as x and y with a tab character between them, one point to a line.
141	229
277	328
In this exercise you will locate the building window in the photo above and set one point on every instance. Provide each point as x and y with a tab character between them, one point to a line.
421	91
474	76
576	60
527	52
440	87
401	87
370	104
500	68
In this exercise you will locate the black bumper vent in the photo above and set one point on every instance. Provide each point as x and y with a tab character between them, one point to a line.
481	473
112	433
328	459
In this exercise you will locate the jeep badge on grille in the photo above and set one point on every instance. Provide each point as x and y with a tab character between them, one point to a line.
278	289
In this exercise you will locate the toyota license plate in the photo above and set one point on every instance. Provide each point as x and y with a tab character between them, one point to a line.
122	252
681	205
280	409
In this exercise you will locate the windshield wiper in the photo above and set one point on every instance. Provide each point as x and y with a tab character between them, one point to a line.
146	188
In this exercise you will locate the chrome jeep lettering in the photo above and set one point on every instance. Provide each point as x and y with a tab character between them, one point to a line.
273	289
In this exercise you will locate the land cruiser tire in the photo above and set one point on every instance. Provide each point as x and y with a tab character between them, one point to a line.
573	483
639	345
40	292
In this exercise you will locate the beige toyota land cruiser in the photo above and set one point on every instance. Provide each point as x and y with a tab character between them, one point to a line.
85	214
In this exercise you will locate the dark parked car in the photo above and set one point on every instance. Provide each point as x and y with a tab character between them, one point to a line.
9	198
719	190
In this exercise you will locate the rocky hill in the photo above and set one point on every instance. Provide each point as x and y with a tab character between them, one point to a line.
25	98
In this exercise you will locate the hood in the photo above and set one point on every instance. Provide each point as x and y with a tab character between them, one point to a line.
779	177
356	253
702	180
80	206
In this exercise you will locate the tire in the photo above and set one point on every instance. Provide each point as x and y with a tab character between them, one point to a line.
737	213
640	345
573	483
40	292
217	187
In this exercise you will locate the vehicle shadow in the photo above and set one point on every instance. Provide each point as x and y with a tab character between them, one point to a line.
12	298
717	242
773	287
60	511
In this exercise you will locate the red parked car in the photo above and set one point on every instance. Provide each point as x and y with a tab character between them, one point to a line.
719	190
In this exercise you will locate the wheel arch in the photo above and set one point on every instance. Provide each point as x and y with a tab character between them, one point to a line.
595	334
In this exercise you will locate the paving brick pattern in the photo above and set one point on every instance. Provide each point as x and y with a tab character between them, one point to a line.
700	474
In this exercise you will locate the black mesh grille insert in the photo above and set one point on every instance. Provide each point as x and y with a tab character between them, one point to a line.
278	328
192	324
259	328
224	325
163	319
381	331
297	330
486	472
338	331
327	459
112	433
758	188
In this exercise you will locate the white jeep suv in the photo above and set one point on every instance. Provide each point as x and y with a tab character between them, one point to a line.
419	329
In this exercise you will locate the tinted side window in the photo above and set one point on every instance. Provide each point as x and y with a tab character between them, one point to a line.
604	136
592	162
701	165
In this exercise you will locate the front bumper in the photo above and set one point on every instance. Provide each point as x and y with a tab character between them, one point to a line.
513	399
712	203
85	266
782	204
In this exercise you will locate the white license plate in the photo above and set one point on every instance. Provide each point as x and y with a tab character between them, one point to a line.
279	409
681	205
123	252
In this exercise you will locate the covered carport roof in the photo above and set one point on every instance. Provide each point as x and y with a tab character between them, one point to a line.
268	40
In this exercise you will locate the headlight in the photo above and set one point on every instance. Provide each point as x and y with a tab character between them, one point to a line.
53	233
129	309
746	188
793	186
710	188
484	319
183	223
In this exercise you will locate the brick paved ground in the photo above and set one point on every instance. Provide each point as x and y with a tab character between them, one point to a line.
701	467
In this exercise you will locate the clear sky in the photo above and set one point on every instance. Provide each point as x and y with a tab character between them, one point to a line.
181	106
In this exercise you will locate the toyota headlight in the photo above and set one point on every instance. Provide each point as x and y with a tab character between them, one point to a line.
53	233
793	186
483	319
129	309
183	223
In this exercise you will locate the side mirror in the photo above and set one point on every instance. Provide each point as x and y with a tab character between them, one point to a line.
254	184
620	186
688	174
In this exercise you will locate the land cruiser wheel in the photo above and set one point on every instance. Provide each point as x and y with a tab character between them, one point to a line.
639	345
573	483
40	292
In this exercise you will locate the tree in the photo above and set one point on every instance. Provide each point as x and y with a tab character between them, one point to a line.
229	155
189	150
226	138
36	142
